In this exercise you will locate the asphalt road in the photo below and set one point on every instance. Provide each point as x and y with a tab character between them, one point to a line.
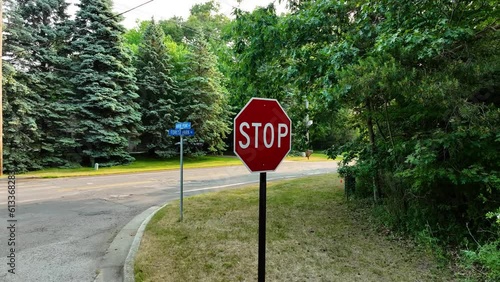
64	226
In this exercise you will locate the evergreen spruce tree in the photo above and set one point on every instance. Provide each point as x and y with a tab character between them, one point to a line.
19	102
47	76
105	90
204	98
20	131
158	91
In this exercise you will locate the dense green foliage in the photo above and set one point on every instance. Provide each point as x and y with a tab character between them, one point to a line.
105	88
46	21
158	92
82	91
19	120
275	57
204	97
34	52
408	91
424	101
416	86
20	130
197	92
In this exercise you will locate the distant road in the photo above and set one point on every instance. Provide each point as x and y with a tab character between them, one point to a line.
65	225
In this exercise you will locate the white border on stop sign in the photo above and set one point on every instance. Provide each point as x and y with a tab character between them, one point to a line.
234	133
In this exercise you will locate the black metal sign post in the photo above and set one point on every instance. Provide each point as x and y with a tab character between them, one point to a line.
262	228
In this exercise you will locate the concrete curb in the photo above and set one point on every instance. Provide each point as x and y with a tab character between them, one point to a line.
118	262
128	268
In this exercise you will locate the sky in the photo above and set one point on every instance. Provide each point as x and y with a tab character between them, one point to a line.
165	9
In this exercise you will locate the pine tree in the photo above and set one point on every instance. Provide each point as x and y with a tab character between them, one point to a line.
204	98
19	102
158	91
47	75
19	124
105	90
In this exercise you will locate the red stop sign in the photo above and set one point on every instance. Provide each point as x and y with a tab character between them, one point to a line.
262	134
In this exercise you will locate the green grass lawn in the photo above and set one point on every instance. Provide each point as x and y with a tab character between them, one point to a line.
315	157
140	165
149	164
312	235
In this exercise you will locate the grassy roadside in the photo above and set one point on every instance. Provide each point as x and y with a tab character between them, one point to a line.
140	165
149	165
311	236
315	157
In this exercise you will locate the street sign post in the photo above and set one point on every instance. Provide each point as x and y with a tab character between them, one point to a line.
262	139
182	129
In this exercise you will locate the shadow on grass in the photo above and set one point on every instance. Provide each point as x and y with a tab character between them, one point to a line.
312	235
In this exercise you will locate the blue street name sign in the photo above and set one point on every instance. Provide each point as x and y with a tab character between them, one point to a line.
181	132
183	125
174	132
187	132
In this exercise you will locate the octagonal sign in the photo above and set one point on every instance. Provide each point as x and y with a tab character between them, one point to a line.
262	134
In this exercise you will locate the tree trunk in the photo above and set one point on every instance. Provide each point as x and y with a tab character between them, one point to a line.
371	133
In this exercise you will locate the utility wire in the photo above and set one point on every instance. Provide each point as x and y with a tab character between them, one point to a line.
131	9
114	16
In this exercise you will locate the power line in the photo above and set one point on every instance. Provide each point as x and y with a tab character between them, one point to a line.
131	9
228	4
